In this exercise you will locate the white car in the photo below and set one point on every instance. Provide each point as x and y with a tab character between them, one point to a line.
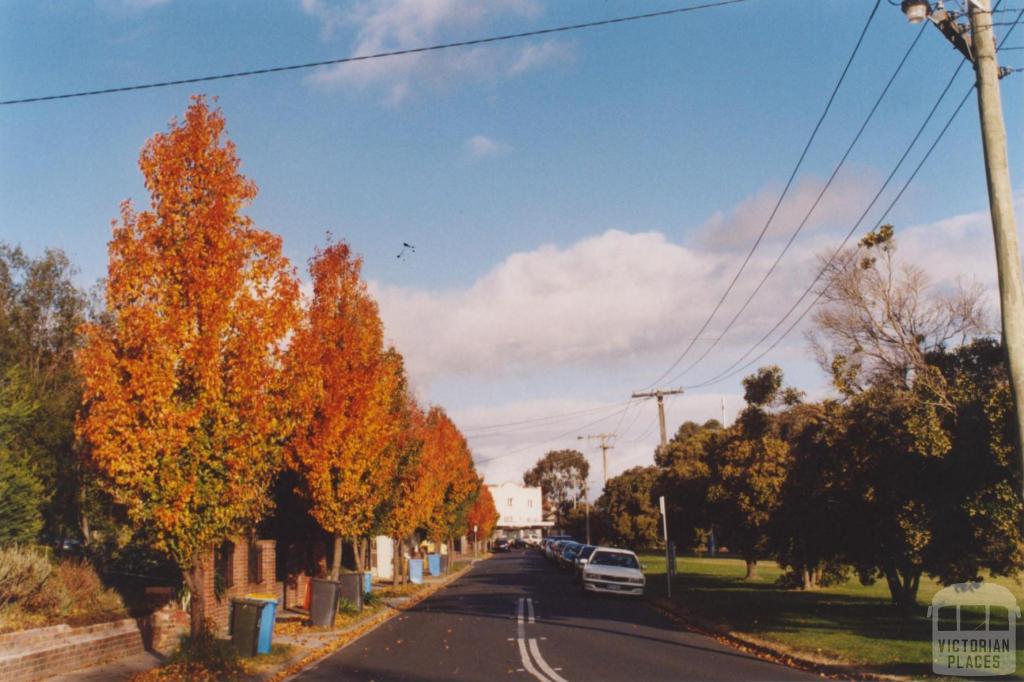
615	571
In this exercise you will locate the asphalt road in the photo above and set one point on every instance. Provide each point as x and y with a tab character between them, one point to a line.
516	617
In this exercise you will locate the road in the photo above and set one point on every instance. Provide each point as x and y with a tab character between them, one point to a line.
516	617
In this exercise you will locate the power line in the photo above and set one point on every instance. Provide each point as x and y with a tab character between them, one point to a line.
378	55
730	371
821	293
550	440
782	196
546	418
814	206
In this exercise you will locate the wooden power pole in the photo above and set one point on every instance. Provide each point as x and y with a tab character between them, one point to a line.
603	437
660	395
1000	194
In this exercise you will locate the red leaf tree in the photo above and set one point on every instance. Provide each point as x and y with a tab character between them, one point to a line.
343	385
182	387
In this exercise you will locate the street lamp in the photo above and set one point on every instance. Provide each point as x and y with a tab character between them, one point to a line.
916	10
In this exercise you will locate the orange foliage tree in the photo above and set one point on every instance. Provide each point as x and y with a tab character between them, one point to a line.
483	515
343	386
182	387
453	477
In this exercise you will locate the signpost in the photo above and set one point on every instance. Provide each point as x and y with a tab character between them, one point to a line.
476	541
668	559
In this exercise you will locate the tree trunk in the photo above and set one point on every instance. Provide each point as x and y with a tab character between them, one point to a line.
357	549
336	562
903	588
195	577
751	569
396	560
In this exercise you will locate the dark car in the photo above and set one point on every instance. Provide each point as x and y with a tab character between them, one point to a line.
500	545
519	543
567	557
581	560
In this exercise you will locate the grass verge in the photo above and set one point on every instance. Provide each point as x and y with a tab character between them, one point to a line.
848	625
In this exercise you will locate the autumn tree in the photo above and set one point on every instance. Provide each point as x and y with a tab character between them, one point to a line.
452	474
342	384
408	491
561	476
182	401
483	515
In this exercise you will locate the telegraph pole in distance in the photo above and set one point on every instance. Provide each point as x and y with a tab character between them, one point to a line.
603	437
660	395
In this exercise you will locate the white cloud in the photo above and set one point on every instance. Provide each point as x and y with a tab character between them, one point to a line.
738	227
390	25
481	146
621	296
598	300
614	299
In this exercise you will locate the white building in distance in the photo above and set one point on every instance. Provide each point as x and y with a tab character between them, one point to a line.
520	511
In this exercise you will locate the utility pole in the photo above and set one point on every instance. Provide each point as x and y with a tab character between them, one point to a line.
980	49
660	395
604	449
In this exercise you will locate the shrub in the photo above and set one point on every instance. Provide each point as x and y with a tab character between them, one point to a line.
20	495
23	571
75	590
204	653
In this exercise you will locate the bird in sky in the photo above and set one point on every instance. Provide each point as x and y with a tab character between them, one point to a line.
406	246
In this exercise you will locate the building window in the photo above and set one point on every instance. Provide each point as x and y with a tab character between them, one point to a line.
510	501
529	503
224	567
255	563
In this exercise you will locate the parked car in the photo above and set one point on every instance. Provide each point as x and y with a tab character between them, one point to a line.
614	571
500	545
519	543
567	556
582	557
556	548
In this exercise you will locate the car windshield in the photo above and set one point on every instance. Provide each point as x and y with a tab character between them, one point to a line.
587	551
614	559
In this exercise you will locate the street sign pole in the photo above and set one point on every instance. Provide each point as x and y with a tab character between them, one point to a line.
664	530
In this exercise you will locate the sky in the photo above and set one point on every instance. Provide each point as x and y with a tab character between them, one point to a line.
578	201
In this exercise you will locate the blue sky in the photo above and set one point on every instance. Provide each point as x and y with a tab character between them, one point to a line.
577	201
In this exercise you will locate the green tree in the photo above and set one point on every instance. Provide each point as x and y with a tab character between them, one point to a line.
21	493
808	529
40	312
629	506
749	471
562	478
685	476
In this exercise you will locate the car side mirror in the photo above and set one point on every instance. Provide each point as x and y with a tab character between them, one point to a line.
583	561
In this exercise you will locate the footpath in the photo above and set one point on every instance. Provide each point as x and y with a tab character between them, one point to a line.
296	645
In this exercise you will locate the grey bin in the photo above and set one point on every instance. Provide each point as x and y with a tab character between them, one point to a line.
351	585
245	625
324	602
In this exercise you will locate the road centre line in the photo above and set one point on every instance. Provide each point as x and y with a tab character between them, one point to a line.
524	612
535	650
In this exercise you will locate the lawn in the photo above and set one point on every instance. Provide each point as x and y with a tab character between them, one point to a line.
851	623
